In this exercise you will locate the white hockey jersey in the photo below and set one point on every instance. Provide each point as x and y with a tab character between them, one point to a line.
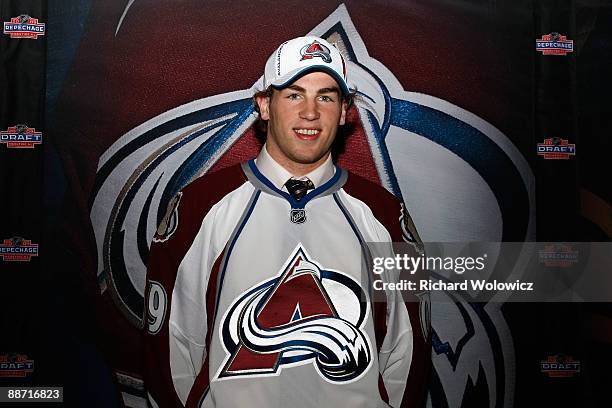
256	299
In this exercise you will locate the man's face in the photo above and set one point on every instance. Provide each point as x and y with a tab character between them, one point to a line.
302	121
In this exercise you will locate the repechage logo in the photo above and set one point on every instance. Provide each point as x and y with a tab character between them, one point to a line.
556	148
20	137
24	26
18	249
558	255
554	44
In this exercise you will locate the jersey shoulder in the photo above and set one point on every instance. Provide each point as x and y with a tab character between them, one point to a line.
373	194
216	185
386	207
186	210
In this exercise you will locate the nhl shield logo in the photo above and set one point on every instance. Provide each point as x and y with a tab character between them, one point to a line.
298	216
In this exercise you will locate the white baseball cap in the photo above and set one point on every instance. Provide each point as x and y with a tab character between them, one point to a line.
302	55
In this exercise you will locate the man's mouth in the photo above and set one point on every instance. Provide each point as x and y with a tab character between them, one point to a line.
307	134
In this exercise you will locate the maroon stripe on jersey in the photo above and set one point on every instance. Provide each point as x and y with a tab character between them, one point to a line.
420	366
211	297
202	381
382	390
385	206
380	323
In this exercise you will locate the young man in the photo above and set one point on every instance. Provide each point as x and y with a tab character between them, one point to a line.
256	294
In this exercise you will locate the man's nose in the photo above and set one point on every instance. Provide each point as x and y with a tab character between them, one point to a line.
309	110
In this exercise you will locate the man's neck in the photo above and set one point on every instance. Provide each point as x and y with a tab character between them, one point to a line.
276	172
300	169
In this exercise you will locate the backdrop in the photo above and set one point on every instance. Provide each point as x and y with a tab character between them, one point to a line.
457	104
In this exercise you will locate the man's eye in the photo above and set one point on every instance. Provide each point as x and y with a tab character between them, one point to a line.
325	98
293	96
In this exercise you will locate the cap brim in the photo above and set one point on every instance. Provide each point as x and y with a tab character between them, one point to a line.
294	75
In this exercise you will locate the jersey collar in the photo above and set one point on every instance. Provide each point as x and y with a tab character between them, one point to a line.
332	185
278	175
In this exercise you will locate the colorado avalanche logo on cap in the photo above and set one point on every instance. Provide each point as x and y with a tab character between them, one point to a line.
306	315
315	49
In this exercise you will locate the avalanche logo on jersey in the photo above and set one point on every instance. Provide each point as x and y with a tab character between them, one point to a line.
305	315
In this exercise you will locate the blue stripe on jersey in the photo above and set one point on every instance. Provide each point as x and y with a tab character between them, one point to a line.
364	248
235	236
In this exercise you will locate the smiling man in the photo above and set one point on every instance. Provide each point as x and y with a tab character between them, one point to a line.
256	295
302	121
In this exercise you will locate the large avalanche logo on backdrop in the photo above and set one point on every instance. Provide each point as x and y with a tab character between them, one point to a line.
307	314
461	178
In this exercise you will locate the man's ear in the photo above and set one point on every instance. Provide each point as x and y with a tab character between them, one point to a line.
263	102
342	114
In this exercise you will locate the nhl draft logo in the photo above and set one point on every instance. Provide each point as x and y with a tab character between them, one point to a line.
554	44
24	26
316	49
556	148
307	315
20	137
15	365
560	366
18	249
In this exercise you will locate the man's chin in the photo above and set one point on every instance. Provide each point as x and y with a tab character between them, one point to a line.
308	159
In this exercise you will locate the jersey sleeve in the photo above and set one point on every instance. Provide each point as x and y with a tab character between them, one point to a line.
401	318
183	254
167	373
405	355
